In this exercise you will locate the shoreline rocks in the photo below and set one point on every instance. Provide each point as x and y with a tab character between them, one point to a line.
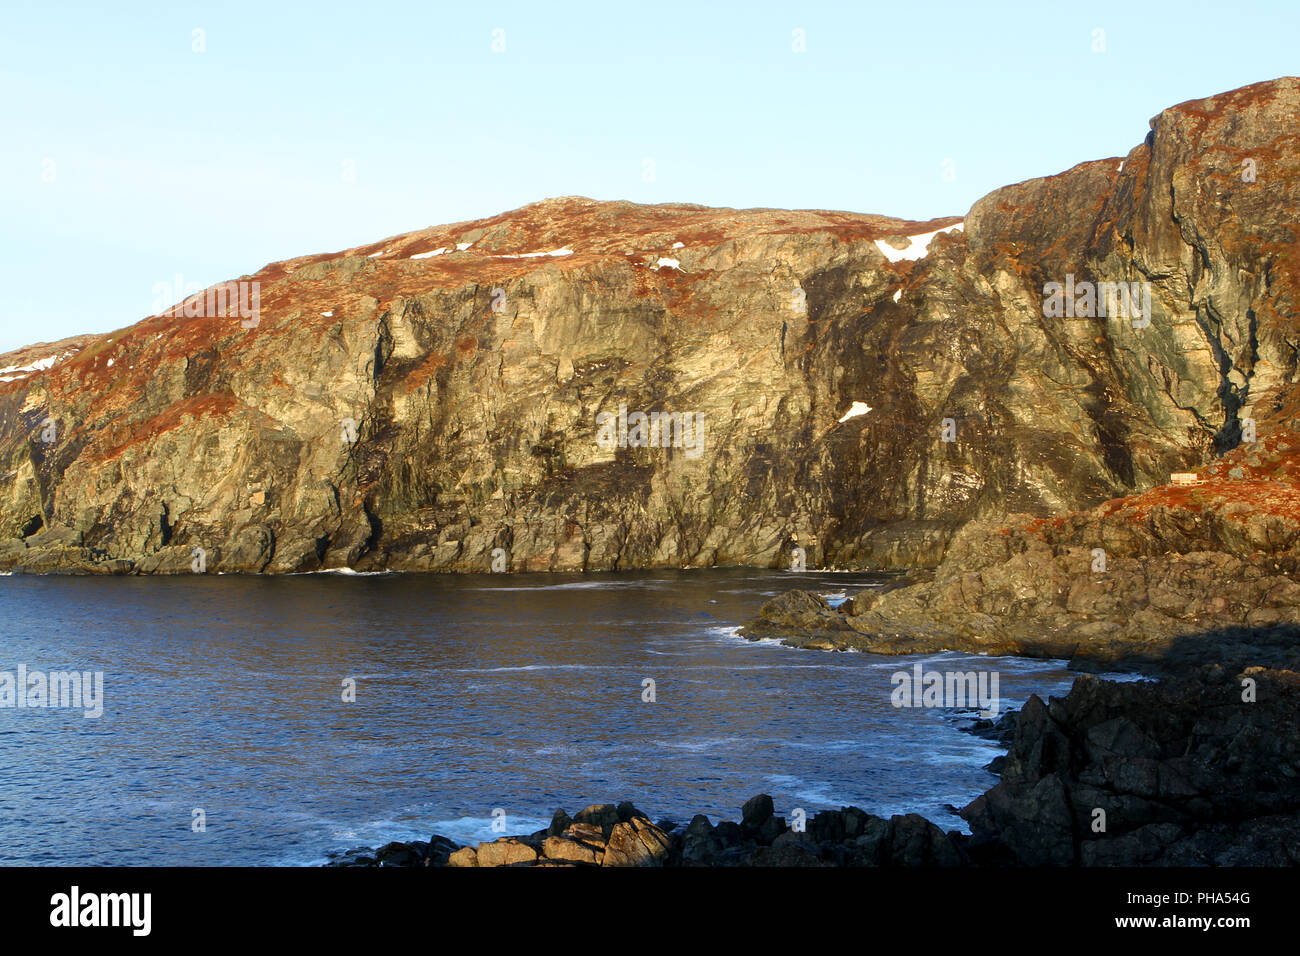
1202	770
1196	771
608	836
1167	580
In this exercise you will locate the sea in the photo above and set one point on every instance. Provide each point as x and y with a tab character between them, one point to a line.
259	720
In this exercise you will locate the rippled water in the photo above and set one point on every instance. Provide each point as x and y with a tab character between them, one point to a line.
519	692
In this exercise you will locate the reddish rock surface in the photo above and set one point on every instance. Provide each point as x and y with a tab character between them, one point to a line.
429	413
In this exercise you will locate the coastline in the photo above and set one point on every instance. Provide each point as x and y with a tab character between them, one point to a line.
1194	760
1132	773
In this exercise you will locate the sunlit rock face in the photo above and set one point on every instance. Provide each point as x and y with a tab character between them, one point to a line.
596	385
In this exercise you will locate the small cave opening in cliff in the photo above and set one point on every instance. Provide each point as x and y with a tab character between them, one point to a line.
376	527
35	524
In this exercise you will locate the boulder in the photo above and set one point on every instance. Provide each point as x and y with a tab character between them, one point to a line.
508	851
756	811
636	843
465	856
570	851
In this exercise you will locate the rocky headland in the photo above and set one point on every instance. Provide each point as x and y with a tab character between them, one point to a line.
1163	580
1083	474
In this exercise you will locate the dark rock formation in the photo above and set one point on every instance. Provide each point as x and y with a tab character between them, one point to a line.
1180	773
847	837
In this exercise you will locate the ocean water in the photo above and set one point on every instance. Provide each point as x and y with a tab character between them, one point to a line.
475	695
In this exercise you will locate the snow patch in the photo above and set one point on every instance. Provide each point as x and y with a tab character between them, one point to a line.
856	409
22	371
919	246
37	366
565	251
462	246
429	255
898	295
679	245
328	315
665	262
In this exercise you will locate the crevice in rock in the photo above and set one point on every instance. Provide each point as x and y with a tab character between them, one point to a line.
376	528
1231	398
270	551
383	347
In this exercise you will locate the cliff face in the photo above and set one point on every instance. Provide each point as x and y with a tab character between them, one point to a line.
421	402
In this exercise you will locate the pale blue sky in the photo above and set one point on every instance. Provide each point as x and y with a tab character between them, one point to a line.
167	161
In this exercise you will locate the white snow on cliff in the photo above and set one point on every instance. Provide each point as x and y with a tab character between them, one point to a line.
565	251
856	409
919	246
11	373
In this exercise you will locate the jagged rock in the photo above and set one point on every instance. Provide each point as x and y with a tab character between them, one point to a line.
439	850
398	854
559	823
915	841
636	843
1180	772
602	815
626	811
802	618
588	834
756	811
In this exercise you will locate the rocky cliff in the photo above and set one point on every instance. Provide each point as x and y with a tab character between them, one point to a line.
469	396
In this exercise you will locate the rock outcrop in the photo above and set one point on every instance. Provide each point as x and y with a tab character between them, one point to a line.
434	401
1164	580
622	836
1187	772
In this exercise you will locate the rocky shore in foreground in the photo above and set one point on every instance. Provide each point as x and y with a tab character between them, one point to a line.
1198	770
609	835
